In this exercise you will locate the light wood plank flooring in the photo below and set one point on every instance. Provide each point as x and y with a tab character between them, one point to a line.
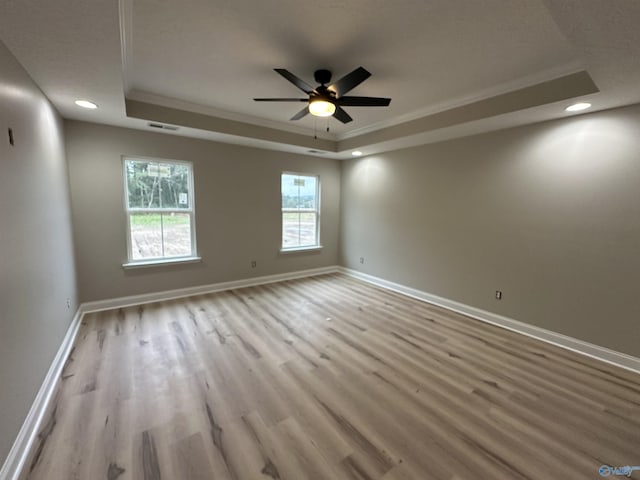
328	378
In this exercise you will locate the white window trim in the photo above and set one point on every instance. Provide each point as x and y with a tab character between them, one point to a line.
307	248
314	248
159	261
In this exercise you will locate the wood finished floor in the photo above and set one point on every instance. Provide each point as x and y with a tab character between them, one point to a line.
327	378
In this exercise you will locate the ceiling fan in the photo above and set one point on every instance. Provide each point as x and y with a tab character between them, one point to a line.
327	100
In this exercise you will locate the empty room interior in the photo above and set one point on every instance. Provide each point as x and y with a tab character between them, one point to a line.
330	240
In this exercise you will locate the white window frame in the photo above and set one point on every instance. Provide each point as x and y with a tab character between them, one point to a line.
193	256
317	210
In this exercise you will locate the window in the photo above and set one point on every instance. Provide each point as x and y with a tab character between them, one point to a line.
160	211
300	211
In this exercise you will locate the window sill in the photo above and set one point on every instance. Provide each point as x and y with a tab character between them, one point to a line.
315	248
161	262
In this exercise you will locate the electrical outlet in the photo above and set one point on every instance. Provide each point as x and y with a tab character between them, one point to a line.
254	264
68	303
361	259
498	294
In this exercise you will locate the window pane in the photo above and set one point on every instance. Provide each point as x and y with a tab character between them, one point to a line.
290	230
174	180
143	184
299	191
289	191
177	234
307	192
298	229
155	235
307	229
146	235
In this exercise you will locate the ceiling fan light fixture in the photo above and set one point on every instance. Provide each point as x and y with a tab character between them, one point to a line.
321	108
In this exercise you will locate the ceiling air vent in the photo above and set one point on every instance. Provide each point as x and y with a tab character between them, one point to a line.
163	127
316	151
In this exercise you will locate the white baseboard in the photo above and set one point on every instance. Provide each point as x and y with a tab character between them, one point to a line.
200	290
622	360
17	457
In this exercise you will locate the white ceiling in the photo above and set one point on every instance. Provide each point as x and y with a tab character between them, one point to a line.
212	58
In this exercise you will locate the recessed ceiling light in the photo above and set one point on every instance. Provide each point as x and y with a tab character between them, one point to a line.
86	104
356	153
576	107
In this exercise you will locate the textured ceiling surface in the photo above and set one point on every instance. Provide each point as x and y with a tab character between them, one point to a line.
213	58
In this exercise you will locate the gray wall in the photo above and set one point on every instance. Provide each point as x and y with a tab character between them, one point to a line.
237	201
549	214
36	252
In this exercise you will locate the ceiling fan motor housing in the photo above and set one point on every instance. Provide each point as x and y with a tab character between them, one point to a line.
323	93
322	76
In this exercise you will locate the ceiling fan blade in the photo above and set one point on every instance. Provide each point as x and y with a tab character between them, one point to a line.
363	101
298	82
301	113
281	99
341	115
349	81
